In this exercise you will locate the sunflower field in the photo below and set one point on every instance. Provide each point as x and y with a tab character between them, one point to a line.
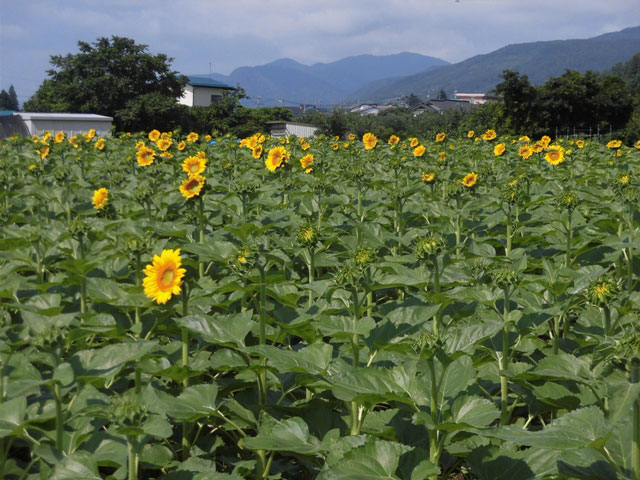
180	307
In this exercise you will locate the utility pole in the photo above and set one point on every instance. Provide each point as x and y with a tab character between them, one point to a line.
210	70
259	98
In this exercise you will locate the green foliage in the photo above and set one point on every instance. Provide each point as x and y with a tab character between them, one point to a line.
9	100
114	77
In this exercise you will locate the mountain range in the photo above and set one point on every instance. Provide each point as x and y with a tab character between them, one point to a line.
380	79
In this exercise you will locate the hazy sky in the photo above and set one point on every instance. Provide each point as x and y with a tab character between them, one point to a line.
230	34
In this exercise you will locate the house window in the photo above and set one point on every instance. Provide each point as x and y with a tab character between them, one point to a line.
216	98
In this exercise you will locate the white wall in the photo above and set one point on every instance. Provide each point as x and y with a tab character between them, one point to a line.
199	96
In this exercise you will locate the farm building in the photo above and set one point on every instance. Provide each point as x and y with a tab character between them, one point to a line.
31	123
284	129
203	91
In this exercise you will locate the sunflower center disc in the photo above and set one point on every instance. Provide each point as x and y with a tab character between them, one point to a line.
167	277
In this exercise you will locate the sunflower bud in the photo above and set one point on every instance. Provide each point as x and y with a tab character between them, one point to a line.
602	292
428	247
307	236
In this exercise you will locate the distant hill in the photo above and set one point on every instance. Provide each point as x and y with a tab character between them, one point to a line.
538	60
287	82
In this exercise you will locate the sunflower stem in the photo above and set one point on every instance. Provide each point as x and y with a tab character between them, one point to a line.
503	361
201	227
434	456
186	426
262	336
132	457
567	255
630	251
509	234
635	443
311	275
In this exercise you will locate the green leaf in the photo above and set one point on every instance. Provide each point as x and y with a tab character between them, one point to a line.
491	463
12	414
76	466
313	359
290	435
375	460
585	427
369	385
103	364
343	327
228	330
194	402
470	412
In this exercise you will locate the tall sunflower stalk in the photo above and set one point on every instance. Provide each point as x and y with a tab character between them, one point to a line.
635	442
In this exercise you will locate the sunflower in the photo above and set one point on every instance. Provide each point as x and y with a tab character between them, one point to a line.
352	136
613	144
145	156
257	151
538	147
580	143
59	138
428	177
470	180
182	145
545	140
440	137
370	141
638	145
525	151
304	144
154	135
489	135
192	186
192	137
163	278
499	149
44	151
471	134
207	138
91	134
164	144
413	142
306	161
393	140
140	145
442	157
555	155
419	151
194	165
100	198
100	144
275	158
335	147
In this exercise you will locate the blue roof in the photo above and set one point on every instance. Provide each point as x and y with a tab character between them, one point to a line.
207	82
6	113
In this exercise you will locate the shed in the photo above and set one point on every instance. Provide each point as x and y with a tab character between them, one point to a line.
284	129
203	91
69	123
11	124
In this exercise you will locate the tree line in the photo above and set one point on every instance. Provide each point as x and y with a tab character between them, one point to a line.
119	78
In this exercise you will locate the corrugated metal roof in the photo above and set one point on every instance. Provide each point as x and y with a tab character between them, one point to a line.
208	82
62	116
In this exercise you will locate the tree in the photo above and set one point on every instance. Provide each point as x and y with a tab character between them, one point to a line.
442	95
114	77
519	98
9	100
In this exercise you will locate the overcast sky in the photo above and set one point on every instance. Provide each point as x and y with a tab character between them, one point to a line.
230	34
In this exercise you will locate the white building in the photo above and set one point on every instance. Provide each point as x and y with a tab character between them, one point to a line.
284	129
203	91
69	123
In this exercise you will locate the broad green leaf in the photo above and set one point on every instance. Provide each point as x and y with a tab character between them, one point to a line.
12	413
470	412
369	384
290	435
491	463
313	359
104	363
76	466
219	329
195	402
375	460
581	428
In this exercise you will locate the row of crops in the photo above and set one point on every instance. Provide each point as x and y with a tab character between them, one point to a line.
425	308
